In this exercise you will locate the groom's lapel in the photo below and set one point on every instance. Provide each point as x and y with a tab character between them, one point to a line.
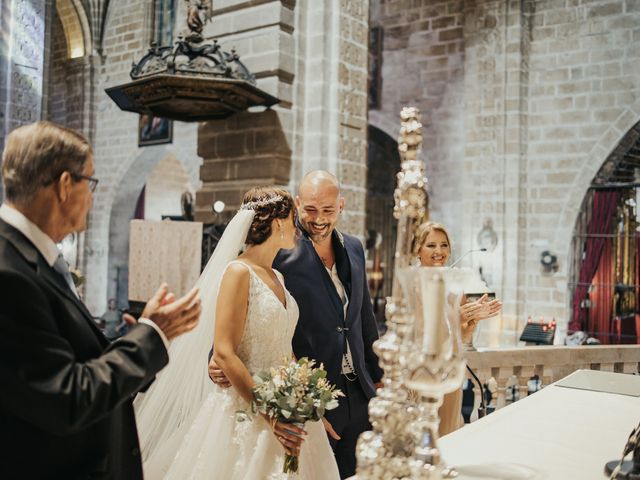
355	276
343	264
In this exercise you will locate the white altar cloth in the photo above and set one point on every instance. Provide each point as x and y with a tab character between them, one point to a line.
556	433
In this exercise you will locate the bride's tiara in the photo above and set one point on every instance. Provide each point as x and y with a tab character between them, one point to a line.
261	203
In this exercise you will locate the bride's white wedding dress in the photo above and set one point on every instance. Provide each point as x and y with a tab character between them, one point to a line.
216	445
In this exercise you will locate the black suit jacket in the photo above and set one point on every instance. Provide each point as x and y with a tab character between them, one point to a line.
66	403
322	327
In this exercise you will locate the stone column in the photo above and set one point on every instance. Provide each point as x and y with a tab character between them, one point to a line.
331	109
352	112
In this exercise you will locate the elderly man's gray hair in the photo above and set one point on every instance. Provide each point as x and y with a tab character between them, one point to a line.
36	155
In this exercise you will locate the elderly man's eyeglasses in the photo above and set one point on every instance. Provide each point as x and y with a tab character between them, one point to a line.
93	182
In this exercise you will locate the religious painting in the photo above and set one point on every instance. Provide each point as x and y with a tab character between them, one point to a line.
154	130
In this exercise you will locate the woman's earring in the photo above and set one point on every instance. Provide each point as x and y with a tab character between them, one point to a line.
281	234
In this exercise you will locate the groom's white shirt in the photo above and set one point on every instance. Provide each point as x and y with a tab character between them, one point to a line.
347	359
47	247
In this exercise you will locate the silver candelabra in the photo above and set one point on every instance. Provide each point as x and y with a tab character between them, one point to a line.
420	352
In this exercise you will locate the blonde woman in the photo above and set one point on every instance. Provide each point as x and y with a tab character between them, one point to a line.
432	246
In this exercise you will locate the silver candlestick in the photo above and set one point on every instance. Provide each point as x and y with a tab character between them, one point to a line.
388	450
421	351
433	364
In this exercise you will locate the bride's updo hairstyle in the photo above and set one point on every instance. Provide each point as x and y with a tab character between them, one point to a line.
269	203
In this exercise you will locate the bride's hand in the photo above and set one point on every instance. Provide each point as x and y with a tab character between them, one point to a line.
290	436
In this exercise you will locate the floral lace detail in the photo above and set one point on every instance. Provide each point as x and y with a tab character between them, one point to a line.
269	326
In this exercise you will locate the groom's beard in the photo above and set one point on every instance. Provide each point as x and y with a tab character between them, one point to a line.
319	232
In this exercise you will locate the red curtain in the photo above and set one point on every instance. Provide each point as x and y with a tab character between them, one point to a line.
603	213
600	318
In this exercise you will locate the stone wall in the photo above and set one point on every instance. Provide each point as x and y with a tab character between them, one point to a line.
423	66
312	56
241	152
535	97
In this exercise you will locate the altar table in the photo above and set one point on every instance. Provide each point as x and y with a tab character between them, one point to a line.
556	433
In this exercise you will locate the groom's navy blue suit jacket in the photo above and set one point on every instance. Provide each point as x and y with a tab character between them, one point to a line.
322	327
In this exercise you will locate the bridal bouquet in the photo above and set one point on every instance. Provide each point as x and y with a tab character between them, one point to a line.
294	392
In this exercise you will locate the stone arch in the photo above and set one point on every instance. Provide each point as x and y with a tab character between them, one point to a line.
75	26
123	168
110	8
618	172
382	122
69	68
125	197
600	152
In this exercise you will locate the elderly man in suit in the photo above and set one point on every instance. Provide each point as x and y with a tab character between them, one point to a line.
66	404
325	273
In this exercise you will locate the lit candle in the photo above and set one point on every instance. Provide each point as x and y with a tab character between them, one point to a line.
432	287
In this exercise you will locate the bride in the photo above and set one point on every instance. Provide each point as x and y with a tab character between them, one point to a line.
187	424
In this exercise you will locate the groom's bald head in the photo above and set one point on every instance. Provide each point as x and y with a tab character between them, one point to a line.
319	204
318	180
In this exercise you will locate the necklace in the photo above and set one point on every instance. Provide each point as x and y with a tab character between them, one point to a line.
326	260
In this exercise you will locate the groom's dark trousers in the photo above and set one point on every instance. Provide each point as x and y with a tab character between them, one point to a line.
323	330
66	404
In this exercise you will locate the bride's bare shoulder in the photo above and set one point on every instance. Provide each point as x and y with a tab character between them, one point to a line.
236	275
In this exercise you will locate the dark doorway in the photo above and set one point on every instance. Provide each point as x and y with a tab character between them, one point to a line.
383	163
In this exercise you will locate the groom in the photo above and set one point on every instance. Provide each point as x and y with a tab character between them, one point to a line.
325	273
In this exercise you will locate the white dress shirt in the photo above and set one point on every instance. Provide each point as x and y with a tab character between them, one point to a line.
48	249
347	359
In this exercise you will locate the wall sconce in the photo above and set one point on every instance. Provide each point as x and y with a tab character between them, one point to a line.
549	262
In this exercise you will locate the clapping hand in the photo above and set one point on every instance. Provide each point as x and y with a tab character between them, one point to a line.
173	316
473	312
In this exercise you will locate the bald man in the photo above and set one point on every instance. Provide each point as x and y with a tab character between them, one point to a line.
325	273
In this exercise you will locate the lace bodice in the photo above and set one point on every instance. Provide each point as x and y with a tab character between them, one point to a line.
268	327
